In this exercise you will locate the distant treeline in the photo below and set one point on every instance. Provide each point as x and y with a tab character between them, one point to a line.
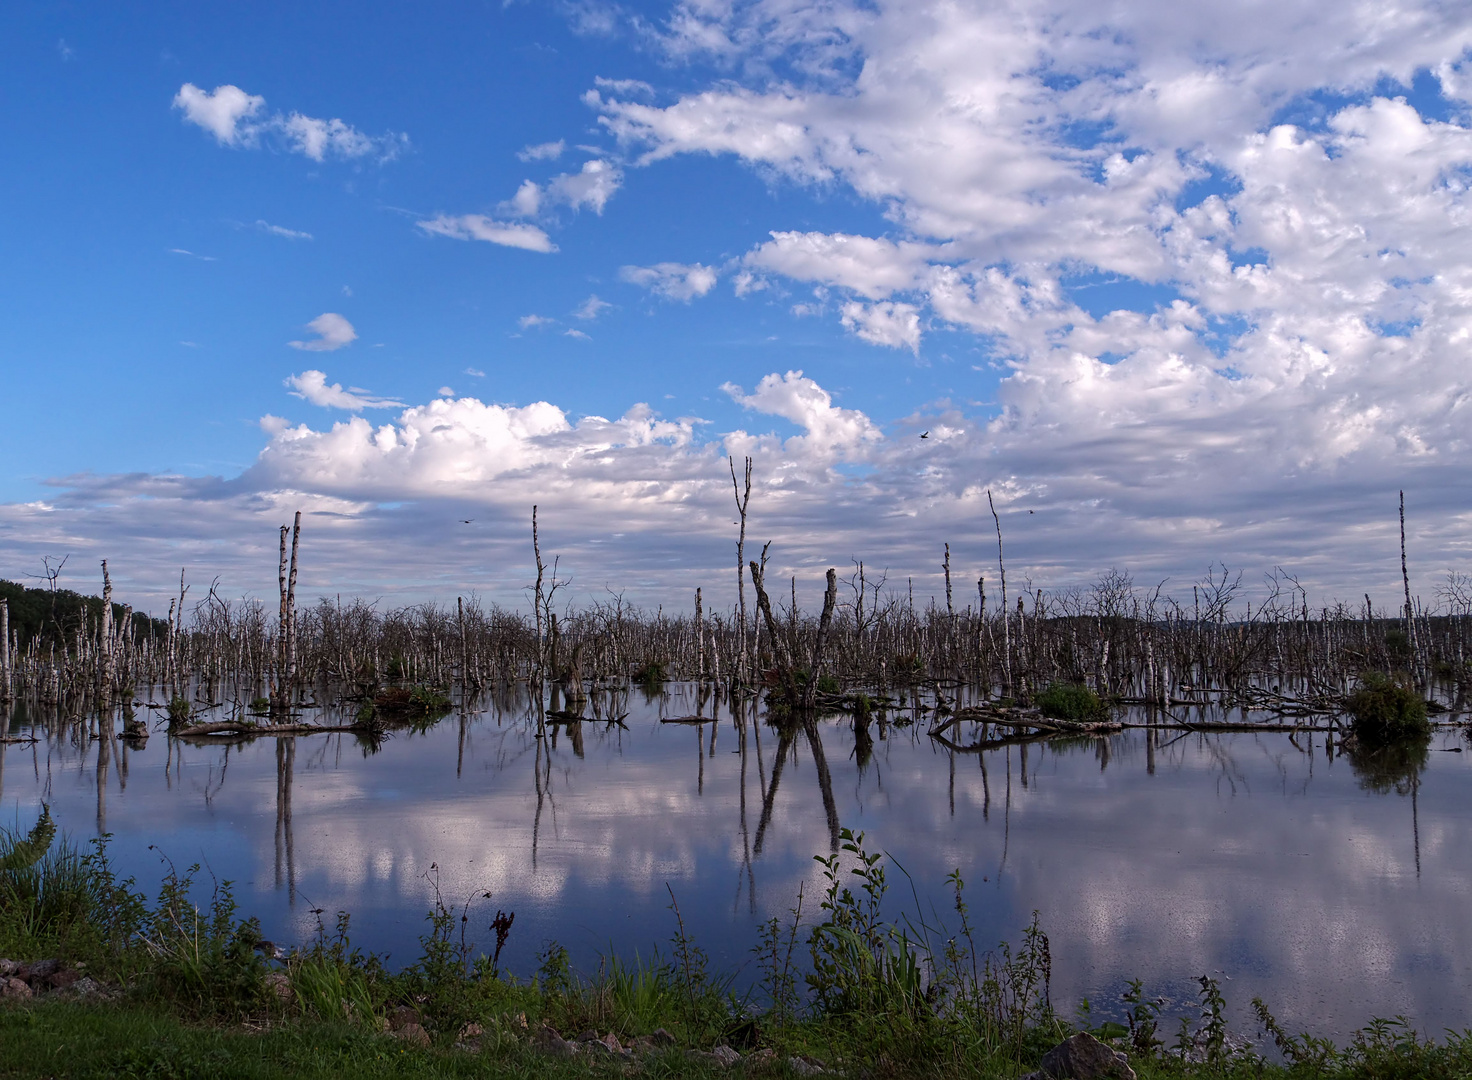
54	616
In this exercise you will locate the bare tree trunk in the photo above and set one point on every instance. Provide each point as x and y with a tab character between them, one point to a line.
699	639
1006	633
4	649
825	625
105	637
742	499
296	533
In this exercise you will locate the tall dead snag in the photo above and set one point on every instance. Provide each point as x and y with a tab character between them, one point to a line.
742	499
1006	632
1405	578
104	644
699	639
4	649
779	649
538	600
286	626
825	626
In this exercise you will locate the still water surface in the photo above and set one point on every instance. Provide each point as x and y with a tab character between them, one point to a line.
1268	863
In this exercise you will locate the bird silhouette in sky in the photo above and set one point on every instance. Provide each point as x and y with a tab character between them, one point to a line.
925	434
466	521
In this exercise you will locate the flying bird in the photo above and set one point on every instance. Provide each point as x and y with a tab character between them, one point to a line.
466	521
925	434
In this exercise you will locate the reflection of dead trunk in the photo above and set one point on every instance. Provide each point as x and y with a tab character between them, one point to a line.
285	834
825	781
784	743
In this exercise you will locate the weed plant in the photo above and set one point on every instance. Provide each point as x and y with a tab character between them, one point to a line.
1387	710
1071	701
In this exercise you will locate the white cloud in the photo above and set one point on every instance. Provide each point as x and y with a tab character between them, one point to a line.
479	227
288	234
311	386
675	281
896	325
527	201
220	111
592	186
333	332
624	86
446	391
830	431
873	268
475	373
531	322
236	118
591	308
192	255
575	333
547	151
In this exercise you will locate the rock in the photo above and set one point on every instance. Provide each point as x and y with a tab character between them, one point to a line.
279	984
727	1055
587	1037
41	969
700	1057
804	1066
471	1030
14	989
403	1016
413	1034
86	987
60	980
1083	1057
661	1037
549	1042
9	968
761	1058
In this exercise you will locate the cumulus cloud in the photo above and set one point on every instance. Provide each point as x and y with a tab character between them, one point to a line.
236	118
221	111
896	325
592	186
829	430
312	386
674	281
332	330
479	227
531	322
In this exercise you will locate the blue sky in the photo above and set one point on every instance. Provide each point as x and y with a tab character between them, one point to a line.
1177	286
114	184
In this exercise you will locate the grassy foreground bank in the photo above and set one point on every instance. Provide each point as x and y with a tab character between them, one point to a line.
99	979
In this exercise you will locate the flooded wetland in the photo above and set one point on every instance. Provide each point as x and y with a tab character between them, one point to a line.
1265	859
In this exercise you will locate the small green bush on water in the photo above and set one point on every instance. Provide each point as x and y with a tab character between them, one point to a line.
1384	710
1071	701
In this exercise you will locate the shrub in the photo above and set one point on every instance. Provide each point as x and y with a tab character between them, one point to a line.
1384	710
1071	701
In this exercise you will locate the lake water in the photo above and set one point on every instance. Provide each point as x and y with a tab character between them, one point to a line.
1270	864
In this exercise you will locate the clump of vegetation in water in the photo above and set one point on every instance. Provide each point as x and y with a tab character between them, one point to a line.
652	676
1071	701
179	712
1385	710
417	702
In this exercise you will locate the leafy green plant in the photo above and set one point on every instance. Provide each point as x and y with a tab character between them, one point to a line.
1071	701
1385	710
